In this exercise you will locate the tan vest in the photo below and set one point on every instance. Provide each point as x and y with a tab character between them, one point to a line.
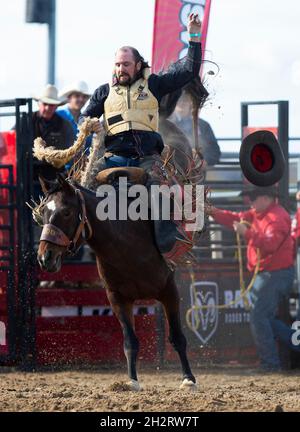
131	107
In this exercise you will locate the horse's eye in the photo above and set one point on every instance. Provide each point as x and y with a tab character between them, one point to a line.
67	213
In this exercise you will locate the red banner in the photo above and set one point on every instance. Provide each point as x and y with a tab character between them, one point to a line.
170	36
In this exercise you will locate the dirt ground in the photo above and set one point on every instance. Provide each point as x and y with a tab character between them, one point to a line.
219	389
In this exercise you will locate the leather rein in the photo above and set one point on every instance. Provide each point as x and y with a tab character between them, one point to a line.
55	235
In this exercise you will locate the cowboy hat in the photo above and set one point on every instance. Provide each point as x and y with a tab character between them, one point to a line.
49	96
77	87
261	158
255	191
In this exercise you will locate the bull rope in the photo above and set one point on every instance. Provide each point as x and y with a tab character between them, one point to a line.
244	290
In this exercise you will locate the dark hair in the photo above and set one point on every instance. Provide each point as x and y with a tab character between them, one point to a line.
136	55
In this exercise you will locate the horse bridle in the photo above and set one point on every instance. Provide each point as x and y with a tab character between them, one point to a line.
55	235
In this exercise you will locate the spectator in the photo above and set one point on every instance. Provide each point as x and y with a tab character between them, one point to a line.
52	128
55	131
183	119
270	232
77	95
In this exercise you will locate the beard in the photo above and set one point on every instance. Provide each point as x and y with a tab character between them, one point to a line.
124	79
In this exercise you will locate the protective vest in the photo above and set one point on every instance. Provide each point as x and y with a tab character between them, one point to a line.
131	107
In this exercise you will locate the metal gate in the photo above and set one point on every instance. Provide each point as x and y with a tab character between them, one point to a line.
8	312
17	265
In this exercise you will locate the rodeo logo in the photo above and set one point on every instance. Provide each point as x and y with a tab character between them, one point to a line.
204	316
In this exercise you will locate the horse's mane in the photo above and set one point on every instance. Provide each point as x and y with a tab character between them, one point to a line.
55	186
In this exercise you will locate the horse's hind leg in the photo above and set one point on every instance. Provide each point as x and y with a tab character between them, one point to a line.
131	344
170	301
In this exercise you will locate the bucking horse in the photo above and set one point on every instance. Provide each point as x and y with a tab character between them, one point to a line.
128	260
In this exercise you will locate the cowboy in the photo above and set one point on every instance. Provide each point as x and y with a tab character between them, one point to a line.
52	128
268	230
129	106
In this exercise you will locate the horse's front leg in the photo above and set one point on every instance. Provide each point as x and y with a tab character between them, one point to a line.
124	313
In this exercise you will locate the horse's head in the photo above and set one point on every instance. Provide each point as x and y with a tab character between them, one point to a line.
63	218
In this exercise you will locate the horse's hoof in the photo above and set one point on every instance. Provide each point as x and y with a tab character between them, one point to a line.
134	385
188	384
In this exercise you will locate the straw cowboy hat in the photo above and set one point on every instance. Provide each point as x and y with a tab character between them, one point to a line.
77	87
49	95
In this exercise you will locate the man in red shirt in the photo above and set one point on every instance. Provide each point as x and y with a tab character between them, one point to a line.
270	232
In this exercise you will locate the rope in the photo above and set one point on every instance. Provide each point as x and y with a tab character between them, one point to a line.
88	176
244	290
59	158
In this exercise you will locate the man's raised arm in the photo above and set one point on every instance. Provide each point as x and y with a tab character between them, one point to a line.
184	71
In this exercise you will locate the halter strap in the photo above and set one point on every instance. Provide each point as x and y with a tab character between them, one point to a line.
84	220
55	235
